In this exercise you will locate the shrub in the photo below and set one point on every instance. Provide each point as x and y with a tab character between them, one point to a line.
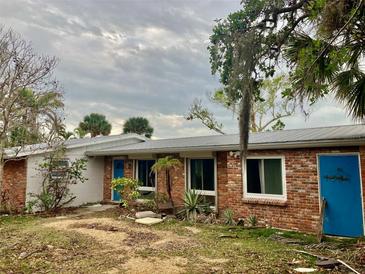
58	174
128	189
228	217
150	204
6	204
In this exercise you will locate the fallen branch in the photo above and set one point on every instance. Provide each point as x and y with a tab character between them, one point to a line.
325	258
310	254
349	267
235	236
23	255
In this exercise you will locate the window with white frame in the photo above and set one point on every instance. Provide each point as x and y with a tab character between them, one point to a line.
265	177
59	168
202	178
145	175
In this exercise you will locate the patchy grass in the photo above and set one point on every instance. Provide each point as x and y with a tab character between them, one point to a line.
103	243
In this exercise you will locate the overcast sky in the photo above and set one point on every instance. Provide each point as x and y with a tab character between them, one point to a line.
136	58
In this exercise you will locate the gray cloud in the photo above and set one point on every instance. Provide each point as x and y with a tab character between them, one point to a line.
126	58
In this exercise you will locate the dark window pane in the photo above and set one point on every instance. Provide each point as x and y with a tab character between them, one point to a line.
150	175
208	174
142	172
145	176
202	174
273	176
196	171
253	176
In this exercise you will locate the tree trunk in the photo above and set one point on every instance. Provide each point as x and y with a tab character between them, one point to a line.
168	187
244	124
244	120
2	164
1	175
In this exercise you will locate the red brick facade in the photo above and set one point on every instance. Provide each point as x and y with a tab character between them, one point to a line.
14	184
108	170
300	211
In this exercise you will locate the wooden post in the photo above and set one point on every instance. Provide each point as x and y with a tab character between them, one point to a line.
321	219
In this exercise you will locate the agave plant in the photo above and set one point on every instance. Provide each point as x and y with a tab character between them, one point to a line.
192	203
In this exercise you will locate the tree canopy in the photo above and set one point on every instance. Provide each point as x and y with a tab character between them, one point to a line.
266	114
320	42
139	125
95	124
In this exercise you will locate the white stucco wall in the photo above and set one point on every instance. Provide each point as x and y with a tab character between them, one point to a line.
89	192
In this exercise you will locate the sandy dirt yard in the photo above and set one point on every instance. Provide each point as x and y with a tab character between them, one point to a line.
102	242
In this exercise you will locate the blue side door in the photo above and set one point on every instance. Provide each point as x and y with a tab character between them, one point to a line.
118	172
340	185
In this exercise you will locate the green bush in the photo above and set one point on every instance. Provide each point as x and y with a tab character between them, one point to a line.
128	189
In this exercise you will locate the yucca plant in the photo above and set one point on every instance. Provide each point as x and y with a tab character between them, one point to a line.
192	203
228	215
252	220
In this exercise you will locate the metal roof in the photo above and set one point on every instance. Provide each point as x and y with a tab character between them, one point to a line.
71	143
310	137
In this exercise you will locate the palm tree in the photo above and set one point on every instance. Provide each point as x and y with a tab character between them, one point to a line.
95	124
139	125
167	164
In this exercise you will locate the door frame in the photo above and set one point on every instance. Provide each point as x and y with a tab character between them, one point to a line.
113	159
361	185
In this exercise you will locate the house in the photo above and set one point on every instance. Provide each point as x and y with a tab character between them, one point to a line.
287	175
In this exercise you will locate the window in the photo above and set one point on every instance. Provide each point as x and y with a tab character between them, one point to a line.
265	177
59	168
202	179
202	174
145	175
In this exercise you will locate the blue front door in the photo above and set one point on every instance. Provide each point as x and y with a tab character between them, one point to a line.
340	186
118	172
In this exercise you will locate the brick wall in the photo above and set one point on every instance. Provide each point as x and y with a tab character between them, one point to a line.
15	183
300	211
108	175
108	170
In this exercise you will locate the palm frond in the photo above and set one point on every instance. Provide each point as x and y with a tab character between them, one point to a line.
349	87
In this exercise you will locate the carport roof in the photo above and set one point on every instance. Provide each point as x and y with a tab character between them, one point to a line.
349	135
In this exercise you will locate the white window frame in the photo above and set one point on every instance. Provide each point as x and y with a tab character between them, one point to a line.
145	188
248	195
199	191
